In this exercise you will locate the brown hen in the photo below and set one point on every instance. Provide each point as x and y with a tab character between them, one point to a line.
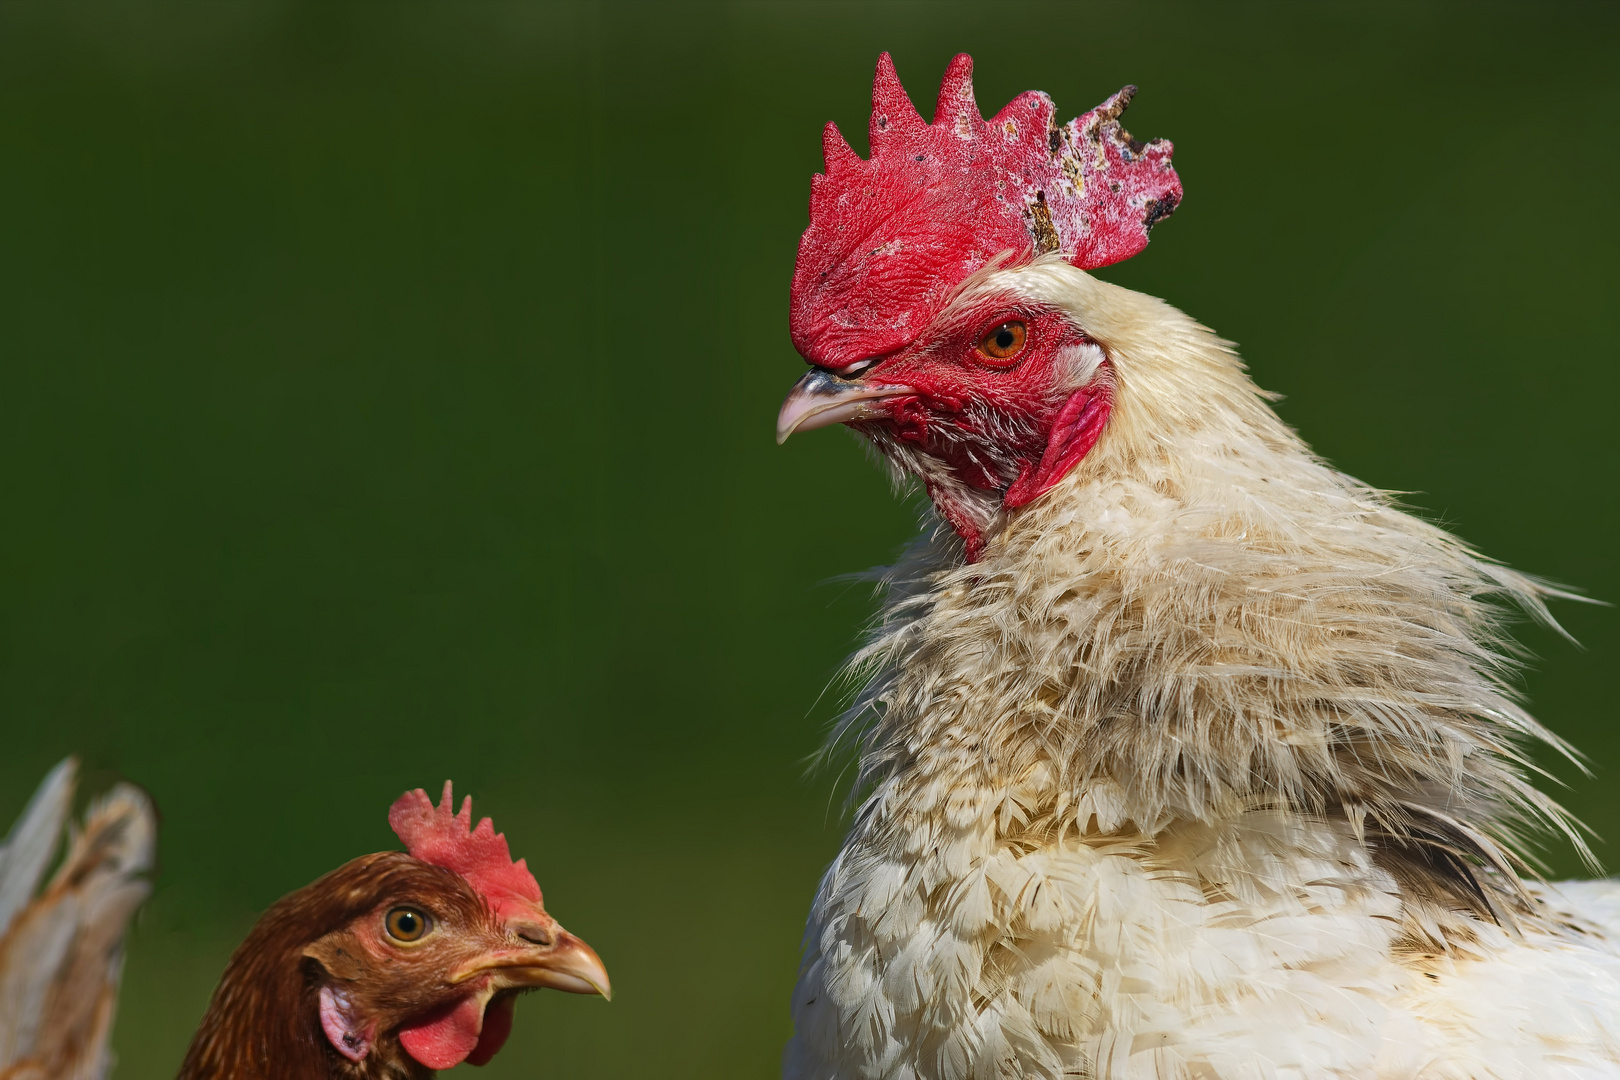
394	965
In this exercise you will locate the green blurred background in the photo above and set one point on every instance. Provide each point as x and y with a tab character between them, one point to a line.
388	394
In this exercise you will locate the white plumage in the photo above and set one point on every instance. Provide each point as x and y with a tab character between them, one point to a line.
1207	768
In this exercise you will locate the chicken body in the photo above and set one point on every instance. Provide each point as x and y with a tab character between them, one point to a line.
1202	764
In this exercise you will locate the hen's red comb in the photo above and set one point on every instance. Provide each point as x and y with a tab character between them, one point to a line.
891	237
438	836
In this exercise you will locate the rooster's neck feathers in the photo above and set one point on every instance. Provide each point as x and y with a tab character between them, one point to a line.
1204	620
1207	767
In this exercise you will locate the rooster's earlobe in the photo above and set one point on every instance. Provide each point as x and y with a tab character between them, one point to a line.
1075	431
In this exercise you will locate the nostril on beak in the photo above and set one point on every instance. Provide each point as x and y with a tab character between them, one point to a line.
856	368
533	933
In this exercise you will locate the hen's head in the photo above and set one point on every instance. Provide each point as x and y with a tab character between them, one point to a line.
402	962
440	941
907	298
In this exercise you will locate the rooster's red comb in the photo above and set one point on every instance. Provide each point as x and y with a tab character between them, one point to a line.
891	237
441	837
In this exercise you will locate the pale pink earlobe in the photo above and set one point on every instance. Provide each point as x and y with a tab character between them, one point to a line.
1074	433
347	1035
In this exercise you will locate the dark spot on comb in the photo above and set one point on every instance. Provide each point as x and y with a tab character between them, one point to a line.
1158	210
1054	139
922	157
1041	228
1113	185
883	123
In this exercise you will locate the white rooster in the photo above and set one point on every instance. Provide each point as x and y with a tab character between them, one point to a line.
1184	754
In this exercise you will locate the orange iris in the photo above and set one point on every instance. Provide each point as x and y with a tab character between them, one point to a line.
406	924
1005	341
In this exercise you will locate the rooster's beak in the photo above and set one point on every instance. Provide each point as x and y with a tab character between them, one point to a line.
557	960
822	399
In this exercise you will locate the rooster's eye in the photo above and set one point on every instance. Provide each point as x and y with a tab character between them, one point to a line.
406	924
1004	342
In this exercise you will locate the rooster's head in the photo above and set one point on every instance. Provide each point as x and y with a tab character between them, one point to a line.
910	302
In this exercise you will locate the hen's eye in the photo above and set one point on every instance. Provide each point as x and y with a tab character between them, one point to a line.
407	924
1005	341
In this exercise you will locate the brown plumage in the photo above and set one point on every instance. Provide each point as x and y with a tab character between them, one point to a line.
264	1018
387	968
62	951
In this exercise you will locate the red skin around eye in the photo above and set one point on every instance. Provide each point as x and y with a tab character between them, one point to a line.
1002	425
950	371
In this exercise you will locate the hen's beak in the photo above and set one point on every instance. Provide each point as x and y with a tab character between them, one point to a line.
822	399
559	961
